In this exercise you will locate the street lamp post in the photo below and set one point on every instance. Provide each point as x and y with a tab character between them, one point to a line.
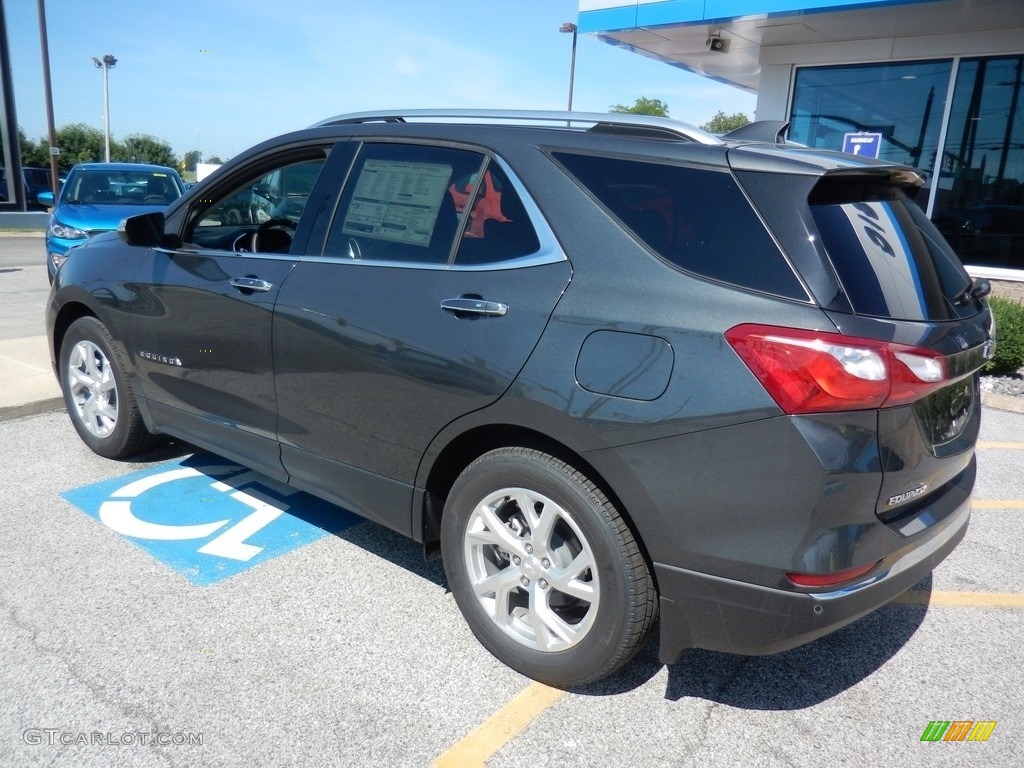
566	28
107	63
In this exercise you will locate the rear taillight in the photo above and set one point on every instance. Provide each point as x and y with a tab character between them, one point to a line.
811	371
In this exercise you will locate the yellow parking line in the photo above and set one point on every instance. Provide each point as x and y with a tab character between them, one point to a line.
997	504
500	728
964	599
997	444
508	722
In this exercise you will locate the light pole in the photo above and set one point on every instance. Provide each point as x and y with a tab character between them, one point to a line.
48	95
566	28
107	63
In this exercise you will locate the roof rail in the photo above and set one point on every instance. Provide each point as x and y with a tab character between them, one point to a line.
600	122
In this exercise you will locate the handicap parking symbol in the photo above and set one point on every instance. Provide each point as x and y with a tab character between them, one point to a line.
207	517
864	144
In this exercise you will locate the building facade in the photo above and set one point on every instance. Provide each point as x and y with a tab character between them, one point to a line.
936	84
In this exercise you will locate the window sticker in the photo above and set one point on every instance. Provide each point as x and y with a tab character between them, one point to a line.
397	201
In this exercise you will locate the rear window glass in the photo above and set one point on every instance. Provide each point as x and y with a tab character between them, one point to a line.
891	260
696	219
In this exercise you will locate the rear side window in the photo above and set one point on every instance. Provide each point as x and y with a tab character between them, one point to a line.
498	228
698	220
891	260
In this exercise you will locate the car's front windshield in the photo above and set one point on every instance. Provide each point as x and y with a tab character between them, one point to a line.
114	187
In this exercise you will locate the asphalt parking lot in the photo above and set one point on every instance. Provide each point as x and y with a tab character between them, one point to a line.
348	650
301	636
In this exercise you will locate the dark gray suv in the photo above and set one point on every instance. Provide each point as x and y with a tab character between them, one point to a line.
610	367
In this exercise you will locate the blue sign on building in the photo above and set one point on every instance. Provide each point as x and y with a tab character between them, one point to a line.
207	517
862	144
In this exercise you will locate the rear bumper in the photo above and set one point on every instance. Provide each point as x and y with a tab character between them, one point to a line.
702	611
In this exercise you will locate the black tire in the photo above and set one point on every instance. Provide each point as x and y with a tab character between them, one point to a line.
572	598
97	394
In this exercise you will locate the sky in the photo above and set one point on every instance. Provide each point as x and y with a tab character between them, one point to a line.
222	75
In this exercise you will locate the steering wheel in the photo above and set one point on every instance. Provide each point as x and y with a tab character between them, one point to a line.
276	224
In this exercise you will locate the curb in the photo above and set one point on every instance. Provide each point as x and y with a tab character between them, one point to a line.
10	412
1002	402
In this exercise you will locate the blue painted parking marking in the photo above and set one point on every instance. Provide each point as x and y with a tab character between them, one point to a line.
209	518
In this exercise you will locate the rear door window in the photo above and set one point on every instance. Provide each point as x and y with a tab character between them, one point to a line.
890	259
696	219
397	205
498	228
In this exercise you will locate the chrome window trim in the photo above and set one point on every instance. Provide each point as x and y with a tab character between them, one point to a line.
539	258
220	252
549	245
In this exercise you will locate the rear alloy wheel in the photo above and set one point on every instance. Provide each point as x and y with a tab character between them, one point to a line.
97	394
543	567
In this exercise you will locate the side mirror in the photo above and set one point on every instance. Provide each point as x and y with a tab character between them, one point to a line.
145	230
45	198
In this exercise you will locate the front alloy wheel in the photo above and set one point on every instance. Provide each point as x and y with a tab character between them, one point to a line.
544	568
97	392
92	389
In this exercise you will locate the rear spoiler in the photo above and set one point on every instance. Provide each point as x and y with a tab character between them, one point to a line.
771	131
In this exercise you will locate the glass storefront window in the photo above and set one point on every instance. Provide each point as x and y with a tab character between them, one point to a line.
979	201
5	194
976	189
903	101
4	162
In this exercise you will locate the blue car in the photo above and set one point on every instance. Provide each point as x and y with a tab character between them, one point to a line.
97	196
37	180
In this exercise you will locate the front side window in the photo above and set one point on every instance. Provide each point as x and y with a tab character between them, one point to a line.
267	205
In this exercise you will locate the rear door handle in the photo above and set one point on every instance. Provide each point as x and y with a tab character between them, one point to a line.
251	284
475	307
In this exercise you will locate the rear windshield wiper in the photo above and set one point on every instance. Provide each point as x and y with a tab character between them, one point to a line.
976	291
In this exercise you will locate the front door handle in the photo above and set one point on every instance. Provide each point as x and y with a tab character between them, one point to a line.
251	284
475	307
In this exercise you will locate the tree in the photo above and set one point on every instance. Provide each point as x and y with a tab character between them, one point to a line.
642	106
143	148
723	123
79	143
190	159
215	160
33	154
